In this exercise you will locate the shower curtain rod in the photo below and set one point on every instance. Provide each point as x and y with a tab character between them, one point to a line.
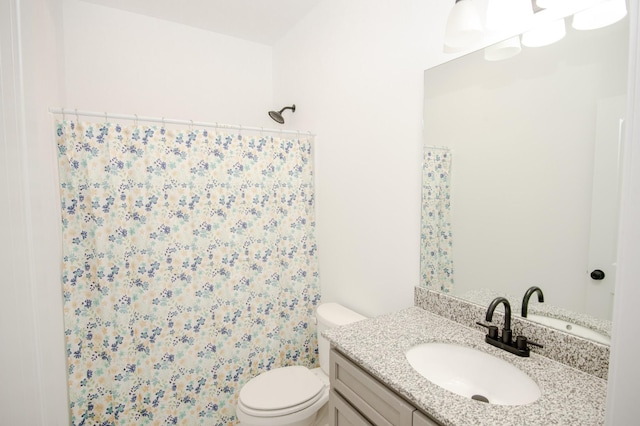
163	120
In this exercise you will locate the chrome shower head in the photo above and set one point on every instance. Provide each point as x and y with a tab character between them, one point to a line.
277	115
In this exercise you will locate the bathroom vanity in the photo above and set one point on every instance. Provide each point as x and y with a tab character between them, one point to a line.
373	383
354	391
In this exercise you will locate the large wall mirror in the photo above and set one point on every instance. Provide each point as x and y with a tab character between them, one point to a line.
532	149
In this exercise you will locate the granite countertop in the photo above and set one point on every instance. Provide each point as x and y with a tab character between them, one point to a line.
569	396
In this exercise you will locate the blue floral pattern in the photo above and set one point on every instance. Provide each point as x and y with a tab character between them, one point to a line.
436	263
189	267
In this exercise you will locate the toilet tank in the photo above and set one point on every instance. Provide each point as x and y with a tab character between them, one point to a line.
331	315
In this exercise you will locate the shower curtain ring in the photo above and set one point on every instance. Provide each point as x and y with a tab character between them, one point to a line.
106	118
77	118
191	126
135	122
63	117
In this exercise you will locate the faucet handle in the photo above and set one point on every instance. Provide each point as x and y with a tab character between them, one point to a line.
493	330
522	342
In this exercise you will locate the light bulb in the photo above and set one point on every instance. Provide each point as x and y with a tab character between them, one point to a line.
464	26
600	15
545	34
506	15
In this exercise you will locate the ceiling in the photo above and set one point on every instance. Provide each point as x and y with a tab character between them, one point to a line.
261	21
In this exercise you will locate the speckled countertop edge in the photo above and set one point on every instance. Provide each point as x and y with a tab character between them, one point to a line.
569	396
583	354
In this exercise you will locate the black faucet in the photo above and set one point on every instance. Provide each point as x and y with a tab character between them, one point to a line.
506	330
519	346
527	296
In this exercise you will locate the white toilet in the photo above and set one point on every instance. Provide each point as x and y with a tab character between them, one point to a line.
292	396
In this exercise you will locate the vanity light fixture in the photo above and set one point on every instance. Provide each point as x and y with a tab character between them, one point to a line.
507	15
471	21
600	15
544	4
545	34
464	26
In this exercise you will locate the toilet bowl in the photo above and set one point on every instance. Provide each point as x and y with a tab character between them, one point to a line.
283	396
292	396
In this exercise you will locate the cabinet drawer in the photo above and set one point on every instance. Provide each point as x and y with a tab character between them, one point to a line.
420	419
378	404
343	414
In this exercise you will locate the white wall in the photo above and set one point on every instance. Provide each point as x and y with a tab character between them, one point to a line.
354	70
122	62
42	50
624	373
32	364
17	322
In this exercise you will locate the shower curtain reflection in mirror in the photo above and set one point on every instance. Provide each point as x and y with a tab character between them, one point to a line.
189	266
436	264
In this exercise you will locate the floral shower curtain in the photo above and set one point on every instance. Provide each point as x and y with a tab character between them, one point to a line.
189	266
436	263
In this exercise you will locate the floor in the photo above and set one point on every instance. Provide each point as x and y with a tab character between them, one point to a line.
322	419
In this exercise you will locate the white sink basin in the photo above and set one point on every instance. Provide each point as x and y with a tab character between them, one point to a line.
571	328
473	373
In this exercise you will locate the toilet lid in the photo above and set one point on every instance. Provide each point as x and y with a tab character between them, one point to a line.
281	388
